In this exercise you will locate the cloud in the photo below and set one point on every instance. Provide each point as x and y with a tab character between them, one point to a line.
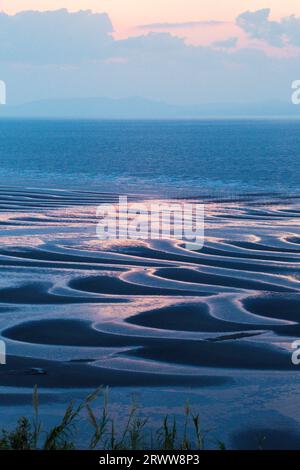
226	44
158	43
276	33
194	32
184	25
291	28
67	55
54	36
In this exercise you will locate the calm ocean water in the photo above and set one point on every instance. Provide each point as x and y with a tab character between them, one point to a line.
152	155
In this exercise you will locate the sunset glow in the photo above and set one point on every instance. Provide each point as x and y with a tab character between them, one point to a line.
127	16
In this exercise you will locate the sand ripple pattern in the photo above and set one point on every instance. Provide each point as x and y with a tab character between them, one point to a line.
148	312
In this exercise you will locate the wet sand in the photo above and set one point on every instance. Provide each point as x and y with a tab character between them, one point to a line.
153	313
19	372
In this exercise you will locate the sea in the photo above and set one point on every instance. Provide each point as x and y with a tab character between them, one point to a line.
152	156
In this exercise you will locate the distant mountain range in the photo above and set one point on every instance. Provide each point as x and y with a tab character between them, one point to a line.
140	108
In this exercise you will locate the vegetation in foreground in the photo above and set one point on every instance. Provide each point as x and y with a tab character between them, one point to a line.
105	430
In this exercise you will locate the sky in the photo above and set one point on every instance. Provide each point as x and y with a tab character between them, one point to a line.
128	15
179	51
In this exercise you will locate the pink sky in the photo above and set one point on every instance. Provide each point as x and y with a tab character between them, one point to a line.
128	16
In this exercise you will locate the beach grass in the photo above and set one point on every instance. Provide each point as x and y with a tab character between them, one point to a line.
106	432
